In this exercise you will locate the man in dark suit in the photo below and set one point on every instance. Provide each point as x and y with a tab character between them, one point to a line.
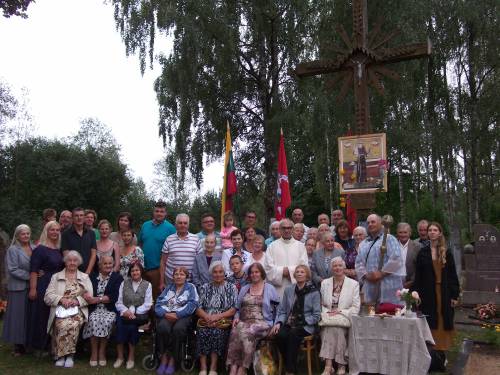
409	251
422	239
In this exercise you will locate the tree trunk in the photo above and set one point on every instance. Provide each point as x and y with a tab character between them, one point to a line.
417	181
474	123
432	121
271	105
402	209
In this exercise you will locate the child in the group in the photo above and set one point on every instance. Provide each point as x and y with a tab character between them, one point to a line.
239	276
225	233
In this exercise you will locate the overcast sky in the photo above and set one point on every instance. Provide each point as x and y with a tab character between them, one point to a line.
72	61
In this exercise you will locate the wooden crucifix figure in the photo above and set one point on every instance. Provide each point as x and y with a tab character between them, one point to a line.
362	63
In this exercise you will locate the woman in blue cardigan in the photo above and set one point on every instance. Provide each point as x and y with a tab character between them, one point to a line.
298	314
253	319
173	309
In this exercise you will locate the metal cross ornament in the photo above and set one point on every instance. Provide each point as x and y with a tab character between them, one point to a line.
362	62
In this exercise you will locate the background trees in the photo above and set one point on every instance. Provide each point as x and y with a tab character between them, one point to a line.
230	62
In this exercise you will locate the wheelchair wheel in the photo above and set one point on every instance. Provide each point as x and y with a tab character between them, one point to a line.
187	357
150	362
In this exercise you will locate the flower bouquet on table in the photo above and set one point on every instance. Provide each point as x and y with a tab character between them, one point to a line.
411	299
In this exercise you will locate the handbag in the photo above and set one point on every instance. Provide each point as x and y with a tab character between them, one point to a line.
337	320
221	324
63	312
140	319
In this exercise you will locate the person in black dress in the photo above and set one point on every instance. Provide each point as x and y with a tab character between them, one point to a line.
46	260
437	284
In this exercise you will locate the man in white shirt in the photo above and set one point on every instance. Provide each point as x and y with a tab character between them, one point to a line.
409	251
282	256
179	250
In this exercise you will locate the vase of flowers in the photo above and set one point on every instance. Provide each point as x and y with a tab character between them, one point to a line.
410	300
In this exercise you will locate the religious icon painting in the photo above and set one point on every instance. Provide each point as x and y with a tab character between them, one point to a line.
363	163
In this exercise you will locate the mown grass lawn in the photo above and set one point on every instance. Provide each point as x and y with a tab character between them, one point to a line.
29	365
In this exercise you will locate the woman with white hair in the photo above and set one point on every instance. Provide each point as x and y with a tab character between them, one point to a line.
217	306
321	259
106	287
339	296
358	235
17	264
46	261
68	307
274	232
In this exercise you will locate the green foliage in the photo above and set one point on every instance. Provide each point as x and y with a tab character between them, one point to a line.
95	135
15	7
8	104
138	202
40	173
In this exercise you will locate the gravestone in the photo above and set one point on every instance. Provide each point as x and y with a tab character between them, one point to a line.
482	267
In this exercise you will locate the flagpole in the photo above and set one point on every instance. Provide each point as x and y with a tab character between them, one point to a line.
224	187
329	171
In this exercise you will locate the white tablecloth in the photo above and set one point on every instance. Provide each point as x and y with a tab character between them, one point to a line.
394	345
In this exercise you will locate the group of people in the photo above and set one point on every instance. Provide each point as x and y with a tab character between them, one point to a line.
238	286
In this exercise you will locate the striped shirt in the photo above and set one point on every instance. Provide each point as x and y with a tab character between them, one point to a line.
181	252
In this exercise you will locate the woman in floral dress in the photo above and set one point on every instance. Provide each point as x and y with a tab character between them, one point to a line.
64	294
216	308
253	319
106	286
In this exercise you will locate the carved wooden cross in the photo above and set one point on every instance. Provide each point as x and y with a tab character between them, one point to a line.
363	62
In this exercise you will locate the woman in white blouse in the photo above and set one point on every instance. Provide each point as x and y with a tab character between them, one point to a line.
134	301
339	295
258	255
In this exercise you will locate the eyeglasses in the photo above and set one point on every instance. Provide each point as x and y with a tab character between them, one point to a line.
287	228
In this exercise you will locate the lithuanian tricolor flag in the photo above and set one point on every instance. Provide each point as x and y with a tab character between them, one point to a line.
230	188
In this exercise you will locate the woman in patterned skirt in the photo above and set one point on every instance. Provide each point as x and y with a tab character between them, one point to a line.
65	294
253	319
106	286
216	308
339	295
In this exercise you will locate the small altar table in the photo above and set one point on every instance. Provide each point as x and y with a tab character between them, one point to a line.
391	345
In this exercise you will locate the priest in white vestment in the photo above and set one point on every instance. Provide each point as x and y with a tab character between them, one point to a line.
282	256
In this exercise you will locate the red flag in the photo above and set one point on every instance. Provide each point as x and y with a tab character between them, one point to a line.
350	213
283	199
229	188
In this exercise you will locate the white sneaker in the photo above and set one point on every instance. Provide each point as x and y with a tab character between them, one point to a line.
60	362
130	365
118	363
69	361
